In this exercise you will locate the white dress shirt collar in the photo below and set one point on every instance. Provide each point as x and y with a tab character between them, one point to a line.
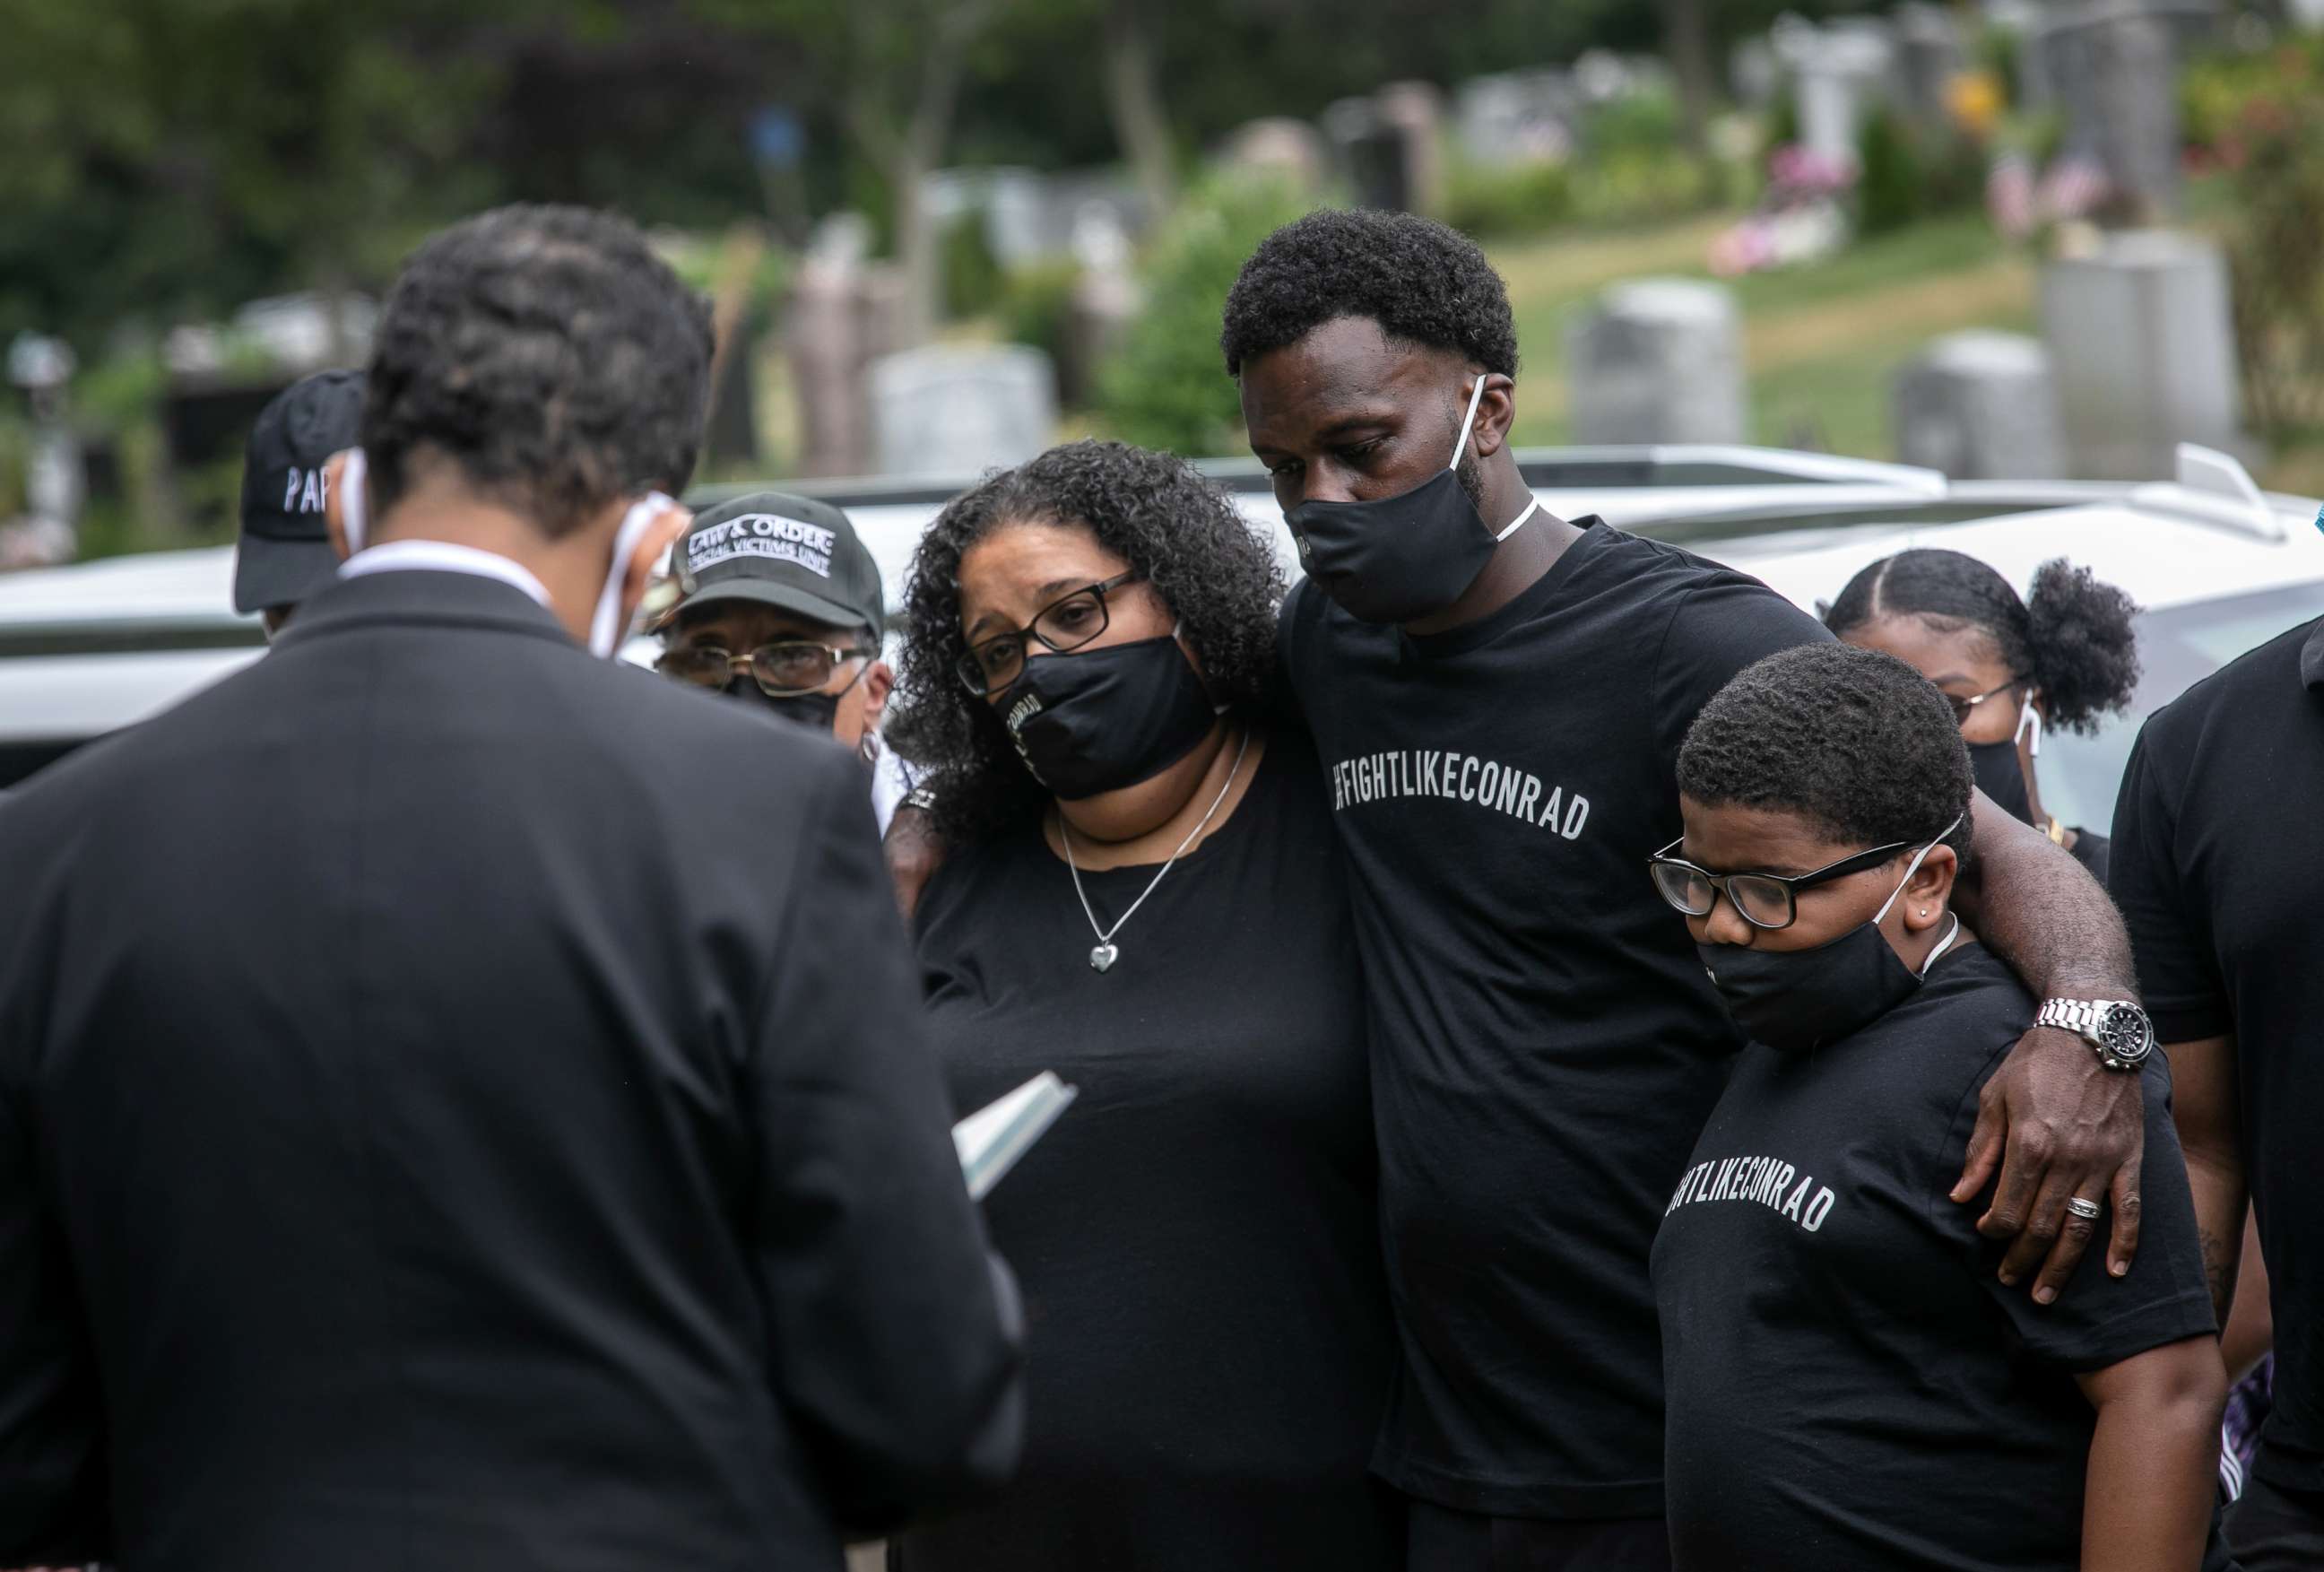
445	556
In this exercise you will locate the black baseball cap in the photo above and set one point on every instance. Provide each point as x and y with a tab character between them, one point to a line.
285	552
781	550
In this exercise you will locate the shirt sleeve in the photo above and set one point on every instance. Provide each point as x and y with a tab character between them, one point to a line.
2098	1319
1715	630
894	1337
2170	933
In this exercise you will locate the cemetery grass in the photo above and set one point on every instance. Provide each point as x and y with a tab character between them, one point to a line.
1820	342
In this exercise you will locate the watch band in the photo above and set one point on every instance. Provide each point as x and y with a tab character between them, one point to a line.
2082	1017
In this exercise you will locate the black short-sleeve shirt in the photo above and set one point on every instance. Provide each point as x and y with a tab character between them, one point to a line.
2216	852
1544	1042
1851	1387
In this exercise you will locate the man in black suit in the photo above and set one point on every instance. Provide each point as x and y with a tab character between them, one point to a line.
463	1102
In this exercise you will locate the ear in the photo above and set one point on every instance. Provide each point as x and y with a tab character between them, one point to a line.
1496	412
1929	890
879	681
335	520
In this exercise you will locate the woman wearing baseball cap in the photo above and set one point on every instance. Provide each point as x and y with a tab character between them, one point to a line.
1142	892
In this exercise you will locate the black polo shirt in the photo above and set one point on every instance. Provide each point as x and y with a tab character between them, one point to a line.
2218	846
1850	1386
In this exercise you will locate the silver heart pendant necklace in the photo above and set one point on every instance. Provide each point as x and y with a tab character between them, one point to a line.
1105	952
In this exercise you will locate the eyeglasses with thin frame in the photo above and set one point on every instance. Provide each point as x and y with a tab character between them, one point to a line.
1965	708
1063	626
788	669
1764	901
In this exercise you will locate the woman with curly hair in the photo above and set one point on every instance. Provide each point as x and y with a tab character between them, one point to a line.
1143	891
2064	658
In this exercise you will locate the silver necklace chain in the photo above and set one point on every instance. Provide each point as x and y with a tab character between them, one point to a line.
1104	953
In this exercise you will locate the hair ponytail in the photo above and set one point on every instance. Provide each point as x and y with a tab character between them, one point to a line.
2083	647
2074	641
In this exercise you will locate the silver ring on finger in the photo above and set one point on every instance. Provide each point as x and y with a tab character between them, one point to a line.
2087	1210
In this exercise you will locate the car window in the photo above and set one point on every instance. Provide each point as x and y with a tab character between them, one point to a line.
2178	646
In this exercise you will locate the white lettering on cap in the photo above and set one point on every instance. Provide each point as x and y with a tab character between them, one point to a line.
304	491
772	536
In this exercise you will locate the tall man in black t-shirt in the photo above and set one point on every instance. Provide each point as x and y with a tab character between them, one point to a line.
2215	862
1499	698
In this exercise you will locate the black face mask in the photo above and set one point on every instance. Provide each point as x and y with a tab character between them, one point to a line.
818	712
2000	776
1404	557
1097	720
1796	1000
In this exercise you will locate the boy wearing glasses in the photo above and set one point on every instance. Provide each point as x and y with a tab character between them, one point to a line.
779	603
1848	1384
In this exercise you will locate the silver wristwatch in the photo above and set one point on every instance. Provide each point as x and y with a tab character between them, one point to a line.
2117	1030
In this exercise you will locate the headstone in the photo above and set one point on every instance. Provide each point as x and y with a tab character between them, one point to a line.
1105	299
1930	54
823	341
1754	72
1413	115
2141	333
1514	117
1981	405
2114	67
1292	149
1658	360
957	410
1838	75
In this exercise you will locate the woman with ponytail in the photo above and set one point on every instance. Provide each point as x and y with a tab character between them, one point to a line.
2065	656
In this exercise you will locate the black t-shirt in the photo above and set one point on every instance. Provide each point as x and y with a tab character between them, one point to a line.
1545	1043
1198	1238
1851	1387
2217	846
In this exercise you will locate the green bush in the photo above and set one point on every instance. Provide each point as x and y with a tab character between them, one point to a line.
1167	386
1646	120
1508	199
1035	303
1639	184
1891	188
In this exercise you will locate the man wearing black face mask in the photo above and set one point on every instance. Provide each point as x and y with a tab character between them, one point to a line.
1498	697
780	606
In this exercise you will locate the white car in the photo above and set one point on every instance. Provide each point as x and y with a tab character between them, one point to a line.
2218	565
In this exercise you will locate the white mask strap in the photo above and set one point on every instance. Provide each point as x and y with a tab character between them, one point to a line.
605	625
1467	421
2029	721
353	495
1913	867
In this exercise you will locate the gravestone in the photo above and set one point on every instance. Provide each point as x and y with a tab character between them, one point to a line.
1413	115
1657	360
1514	117
823	341
1840	75
2113	65
2142	336
1105	299
957	410
1930	53
1754	72
1277	145
1980	405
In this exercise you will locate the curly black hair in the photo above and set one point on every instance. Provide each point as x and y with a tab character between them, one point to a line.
550	354
2074	641
1854	741
1423	283
1214	570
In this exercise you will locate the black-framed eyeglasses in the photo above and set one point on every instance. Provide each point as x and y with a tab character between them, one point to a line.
1063	626
1766	901
1965	708
786	670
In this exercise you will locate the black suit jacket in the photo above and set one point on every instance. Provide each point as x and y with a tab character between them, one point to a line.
463	1104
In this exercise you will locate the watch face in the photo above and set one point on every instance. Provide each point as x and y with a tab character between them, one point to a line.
2127	1033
